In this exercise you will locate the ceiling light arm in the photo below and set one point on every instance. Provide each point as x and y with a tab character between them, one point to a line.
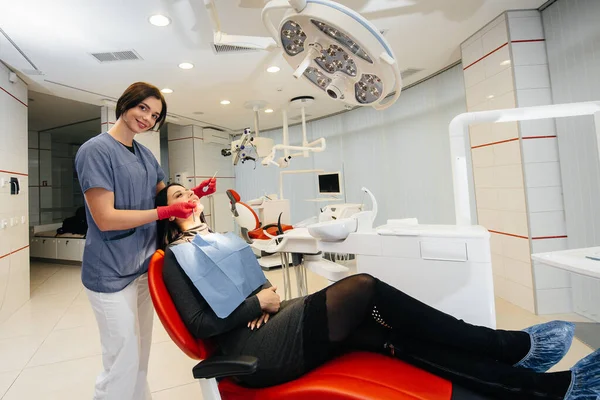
382	105
221	38
267	22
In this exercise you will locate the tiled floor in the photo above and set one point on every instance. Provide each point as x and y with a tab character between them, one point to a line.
49	349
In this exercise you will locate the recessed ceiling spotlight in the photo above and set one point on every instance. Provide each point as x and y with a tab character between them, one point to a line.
167	90
272	69
491	96
159	20
505	62
269	110
186	65
225	102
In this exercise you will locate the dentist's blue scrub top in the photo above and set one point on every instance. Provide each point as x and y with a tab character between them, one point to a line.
113	259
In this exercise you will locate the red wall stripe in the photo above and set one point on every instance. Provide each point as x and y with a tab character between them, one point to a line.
13	252
508	234
491	52
12	172
528	40
493	143
189	137
498	48
549	237
13	96
525	237
539	137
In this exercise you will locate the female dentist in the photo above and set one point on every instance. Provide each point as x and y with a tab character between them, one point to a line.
120	178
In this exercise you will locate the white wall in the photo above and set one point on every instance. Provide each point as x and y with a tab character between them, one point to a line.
401	154
573	45
14	237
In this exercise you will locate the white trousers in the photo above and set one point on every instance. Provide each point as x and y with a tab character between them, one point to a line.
125	322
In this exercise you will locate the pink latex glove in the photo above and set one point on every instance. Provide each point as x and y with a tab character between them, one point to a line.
206	187
177	210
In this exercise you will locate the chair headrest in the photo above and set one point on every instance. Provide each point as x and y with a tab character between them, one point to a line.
233	194
168	315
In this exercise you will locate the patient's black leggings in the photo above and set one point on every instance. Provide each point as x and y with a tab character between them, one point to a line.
364	313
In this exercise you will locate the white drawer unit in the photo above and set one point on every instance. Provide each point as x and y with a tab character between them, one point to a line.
35	247
47	248
69	249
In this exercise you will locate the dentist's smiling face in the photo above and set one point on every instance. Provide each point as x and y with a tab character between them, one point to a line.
143	117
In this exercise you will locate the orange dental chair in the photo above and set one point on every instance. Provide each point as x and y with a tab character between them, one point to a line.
354	376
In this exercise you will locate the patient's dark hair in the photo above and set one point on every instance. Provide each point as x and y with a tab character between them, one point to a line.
168	231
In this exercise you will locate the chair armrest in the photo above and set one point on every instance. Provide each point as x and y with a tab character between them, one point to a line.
222	366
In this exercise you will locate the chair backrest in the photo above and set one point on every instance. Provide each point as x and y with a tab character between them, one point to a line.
168	315
246	217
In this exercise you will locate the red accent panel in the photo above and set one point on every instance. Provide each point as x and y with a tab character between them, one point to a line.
509	234
13	96
493	143
491	52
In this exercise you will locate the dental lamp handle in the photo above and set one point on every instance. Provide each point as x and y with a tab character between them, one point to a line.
383	104
268	23
365	219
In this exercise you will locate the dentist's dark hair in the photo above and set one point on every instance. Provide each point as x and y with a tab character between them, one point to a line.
168	231
135	94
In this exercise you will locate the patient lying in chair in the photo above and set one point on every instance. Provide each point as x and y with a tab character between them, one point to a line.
221	293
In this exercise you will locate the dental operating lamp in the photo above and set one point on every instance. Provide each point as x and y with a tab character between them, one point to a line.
331	47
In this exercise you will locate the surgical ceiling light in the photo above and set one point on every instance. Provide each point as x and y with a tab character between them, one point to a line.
225	102
186	65
273	69
159	20
167	90
337	50
331	46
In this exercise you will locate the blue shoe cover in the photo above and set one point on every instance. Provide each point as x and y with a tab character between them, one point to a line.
585	381
549	344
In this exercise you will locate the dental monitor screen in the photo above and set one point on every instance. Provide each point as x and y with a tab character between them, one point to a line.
329	184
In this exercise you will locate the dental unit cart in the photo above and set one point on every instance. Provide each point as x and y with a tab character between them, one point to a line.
448	267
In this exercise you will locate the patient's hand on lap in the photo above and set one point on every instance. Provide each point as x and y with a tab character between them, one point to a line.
269	300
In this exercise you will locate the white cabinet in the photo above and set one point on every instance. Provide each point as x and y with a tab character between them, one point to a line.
35	247
47	248
69	249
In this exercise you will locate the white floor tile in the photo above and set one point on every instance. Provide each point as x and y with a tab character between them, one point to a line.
6	380
66	280
16	352
185	392
37	317
68	344
77	315
71	380
169	367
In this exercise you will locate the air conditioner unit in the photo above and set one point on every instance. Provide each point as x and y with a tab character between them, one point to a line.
216	136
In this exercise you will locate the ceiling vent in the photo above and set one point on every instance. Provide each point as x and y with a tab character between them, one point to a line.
410	71
127	55
231	49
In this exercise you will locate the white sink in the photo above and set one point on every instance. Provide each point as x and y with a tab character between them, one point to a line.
333	231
